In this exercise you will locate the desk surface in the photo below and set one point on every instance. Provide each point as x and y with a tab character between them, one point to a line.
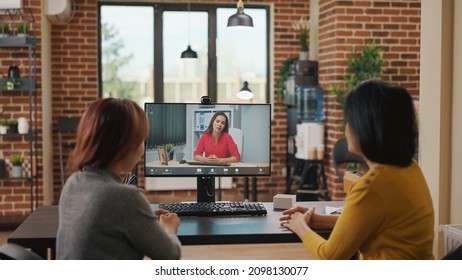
39	230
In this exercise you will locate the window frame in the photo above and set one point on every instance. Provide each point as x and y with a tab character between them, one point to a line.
158	72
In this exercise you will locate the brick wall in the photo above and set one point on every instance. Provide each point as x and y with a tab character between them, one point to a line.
343	25
74	51
15	198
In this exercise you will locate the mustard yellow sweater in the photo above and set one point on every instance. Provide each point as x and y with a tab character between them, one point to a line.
388	214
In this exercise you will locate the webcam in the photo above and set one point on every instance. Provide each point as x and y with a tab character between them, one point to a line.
206	100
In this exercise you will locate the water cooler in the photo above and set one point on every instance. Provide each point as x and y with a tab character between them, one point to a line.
304	101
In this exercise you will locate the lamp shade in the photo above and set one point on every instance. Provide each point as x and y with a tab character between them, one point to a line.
240	18
245	92
189	53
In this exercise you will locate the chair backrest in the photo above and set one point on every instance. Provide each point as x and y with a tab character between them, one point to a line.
238	138
68	124
341	155
11	251
455	254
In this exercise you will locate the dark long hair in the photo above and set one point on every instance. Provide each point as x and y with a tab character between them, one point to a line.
109	129
209	129
382	117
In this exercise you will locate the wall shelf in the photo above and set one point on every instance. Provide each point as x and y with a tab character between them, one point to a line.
27	85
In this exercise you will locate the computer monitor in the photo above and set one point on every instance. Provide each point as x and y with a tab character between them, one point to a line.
183	124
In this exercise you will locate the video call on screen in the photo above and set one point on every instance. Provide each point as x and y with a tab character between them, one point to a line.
180	125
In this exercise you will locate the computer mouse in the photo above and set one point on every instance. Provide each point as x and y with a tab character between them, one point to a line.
182	161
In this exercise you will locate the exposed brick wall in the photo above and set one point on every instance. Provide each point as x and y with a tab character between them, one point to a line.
15	196
343	25
74	64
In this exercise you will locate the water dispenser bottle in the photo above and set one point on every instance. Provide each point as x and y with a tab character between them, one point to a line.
310	104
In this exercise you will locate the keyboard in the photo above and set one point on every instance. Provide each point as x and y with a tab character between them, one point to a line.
216	208
208	163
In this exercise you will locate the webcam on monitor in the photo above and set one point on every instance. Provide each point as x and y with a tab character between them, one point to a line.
206	100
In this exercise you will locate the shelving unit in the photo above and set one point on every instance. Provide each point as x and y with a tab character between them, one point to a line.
27	85
307	175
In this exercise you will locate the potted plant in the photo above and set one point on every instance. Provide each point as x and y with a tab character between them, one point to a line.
13	124
4	29
169	149
362	65
10	83
16	161
22	29
284	73
302	27
4	126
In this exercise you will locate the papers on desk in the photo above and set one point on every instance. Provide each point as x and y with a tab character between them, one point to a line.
333	210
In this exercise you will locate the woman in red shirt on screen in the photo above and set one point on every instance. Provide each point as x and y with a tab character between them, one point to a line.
215	144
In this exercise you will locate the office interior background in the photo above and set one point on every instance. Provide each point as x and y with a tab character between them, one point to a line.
420	39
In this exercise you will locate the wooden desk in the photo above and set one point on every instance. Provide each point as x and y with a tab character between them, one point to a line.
38	231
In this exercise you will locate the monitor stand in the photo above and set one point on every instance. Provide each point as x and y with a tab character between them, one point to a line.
206	189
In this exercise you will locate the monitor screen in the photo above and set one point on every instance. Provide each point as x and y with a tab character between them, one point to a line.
181	143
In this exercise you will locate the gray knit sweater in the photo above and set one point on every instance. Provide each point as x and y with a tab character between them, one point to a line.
99	218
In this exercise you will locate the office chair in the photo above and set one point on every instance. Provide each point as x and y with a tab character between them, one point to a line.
11	251
455	254
341	156
65	125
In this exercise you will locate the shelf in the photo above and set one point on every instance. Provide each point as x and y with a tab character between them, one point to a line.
11	135
11	47
25	84
17	42
16	179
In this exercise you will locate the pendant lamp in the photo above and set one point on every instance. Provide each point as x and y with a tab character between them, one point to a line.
189	53
240	18
245	92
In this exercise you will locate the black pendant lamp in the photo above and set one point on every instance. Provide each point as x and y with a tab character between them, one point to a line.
240	18
189	53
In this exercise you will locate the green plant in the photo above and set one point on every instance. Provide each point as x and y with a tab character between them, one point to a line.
4	122
168	147
12	122
363	65
302	27
13	81
4	28
284	73
22	28
16	159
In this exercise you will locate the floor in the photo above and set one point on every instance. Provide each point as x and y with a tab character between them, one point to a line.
279	251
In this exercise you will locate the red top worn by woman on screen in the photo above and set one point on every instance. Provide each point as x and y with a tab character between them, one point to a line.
216	142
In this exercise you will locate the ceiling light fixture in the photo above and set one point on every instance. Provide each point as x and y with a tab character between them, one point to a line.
240	18
189	53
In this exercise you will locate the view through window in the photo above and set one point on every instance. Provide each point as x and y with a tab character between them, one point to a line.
127	53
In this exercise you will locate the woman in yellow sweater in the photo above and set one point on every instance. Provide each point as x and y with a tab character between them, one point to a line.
388	213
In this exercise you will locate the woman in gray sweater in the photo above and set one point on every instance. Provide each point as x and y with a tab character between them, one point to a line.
99	216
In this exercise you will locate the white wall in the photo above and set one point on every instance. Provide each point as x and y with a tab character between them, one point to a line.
440	100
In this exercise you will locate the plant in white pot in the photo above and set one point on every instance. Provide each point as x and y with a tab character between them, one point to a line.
302	27
4	29
22	29
16	161
4	126
169	149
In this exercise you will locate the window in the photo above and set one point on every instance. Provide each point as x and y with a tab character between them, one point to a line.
141	45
